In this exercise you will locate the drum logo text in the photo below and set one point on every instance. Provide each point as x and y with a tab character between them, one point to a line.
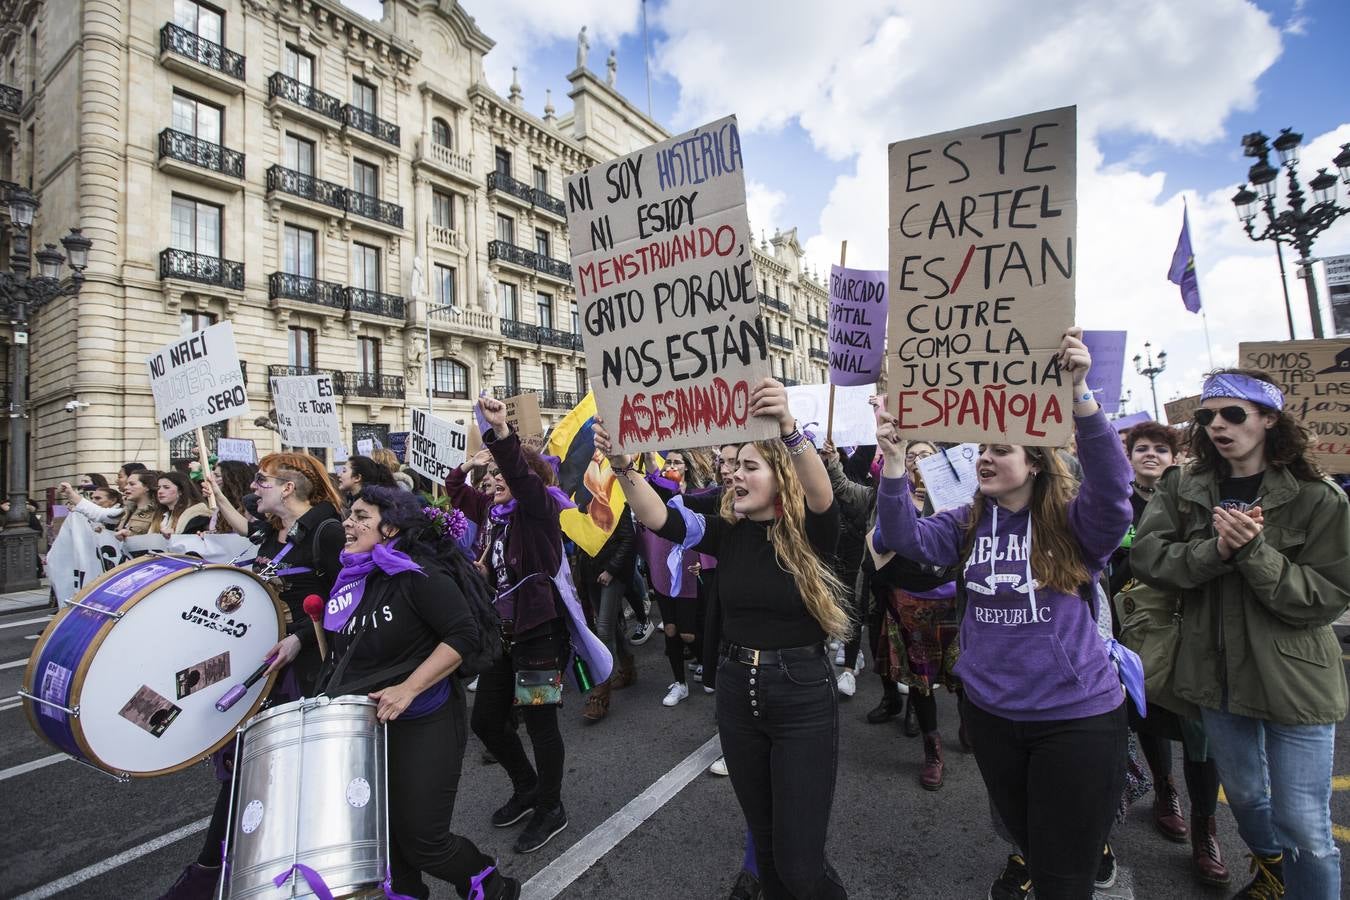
215	621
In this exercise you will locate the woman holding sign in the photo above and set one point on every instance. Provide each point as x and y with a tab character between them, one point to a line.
1254	541
777	703
1045	711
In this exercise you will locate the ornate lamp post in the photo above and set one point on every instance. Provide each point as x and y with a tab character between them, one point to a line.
1151	370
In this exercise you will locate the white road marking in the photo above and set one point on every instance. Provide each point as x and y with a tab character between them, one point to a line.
32	637
10	704
42	619
554	878
67	882
14	664
33	766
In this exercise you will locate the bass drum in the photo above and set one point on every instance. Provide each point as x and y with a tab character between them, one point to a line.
126	676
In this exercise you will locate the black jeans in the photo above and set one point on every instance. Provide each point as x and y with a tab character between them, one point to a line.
780	735
540	649
425	757
1056	786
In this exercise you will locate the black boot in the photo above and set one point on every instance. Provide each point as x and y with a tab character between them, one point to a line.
887	709
910	725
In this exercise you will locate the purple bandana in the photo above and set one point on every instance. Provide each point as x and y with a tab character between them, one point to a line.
1243	387
350	585
501	512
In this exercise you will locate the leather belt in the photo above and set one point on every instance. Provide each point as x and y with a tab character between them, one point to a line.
752	657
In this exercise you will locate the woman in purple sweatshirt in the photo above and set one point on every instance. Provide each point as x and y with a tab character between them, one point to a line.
1045	707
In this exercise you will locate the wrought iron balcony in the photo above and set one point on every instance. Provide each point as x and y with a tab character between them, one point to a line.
289	181
500	181
817	322
204	154
285	371
555	338
774	303
11	99
546	201
373	303
558	399
180	41
188	266
519	331
301	94
780	342
374	208
555	267
371	124
529	259
307	290
818	354
367	384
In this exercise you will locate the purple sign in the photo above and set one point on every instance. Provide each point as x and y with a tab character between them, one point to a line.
858	306
1108	365
1125	423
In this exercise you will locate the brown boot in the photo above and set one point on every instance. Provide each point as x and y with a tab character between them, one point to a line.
625	675
930	776
597	702
1205	855
1167	816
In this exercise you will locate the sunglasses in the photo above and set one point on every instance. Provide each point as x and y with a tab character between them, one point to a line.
1234	415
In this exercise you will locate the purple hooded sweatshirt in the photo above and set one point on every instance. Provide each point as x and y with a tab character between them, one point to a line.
1028	653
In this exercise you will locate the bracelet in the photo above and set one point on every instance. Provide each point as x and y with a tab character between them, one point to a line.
793	438
622	471
1086	398
801	447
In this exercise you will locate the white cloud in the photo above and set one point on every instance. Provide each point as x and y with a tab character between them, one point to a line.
763	205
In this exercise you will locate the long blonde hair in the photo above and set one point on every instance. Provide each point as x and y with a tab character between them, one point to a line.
820	589
1056	560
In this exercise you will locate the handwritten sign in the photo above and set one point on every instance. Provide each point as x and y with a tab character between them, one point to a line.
197	381
238	449
666	287
307	411
855	423
435	446
949	476
858	307
1315	378
365	446
1108	366
522	414
1180	412
983	227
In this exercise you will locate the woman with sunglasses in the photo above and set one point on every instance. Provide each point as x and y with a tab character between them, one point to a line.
1254	540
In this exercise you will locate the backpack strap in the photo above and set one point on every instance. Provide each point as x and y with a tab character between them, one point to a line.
314	545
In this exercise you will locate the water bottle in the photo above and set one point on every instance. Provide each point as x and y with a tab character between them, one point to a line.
582	673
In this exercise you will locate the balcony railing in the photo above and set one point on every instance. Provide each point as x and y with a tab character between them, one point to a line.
289	181
447	157
774	303
519	331
555	338
374	208
529	259
188	266
307	290
443	235
545	200
374	303
301	94
204	154
285	371
780	342
558	399
818	354
817	322
11	99
500	181
366	384
371	124
182	42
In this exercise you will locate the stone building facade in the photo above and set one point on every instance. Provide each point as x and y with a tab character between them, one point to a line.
350	194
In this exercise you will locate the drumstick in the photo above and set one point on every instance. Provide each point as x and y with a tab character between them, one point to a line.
314	609
233	694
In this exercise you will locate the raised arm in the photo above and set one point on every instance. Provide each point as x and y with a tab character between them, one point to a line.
237	521
645	502
769	399
935	540
526	487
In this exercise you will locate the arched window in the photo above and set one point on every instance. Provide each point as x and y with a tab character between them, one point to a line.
450	379
440	133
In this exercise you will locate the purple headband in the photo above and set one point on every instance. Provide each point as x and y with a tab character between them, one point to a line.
1243	387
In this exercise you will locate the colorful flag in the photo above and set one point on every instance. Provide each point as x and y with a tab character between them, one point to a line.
585	476
1182	272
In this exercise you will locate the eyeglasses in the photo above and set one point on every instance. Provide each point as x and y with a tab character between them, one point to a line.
261	480
1234	415
922	454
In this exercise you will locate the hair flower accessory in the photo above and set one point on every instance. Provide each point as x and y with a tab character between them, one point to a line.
451	524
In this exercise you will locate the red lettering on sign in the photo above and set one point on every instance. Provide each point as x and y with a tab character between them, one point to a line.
684	411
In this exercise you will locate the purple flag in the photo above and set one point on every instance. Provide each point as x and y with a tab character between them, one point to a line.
858	306
1108	365
1125	423
1182	272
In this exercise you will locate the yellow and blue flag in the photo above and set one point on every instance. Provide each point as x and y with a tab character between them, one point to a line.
585	476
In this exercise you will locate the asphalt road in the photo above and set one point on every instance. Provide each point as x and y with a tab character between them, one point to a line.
71	832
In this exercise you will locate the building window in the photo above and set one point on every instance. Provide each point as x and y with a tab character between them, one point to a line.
298	246
190	322
550	376
511	372
503	161
365	178
506	229
544	306
441	133
363	96
541	243
195	226
797	336
541	179
583	383
510	301
201	20
297	154
197	118
298	64
300	349
368	358
450	379
442	209
365	267
445	285
576	318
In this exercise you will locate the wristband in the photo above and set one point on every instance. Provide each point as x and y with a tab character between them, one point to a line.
1085	398
622	470
801	448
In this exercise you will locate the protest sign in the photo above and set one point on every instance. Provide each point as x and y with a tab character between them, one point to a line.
522	414
365	446
1338	292
949	476
435	446
983	223
398	442
197	381
854	421
666	286
1315	378
306	411
238	449
858	307
1180	412
1108	365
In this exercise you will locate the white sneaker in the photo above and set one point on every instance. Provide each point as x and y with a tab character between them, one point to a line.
676	693
719	767
902	688
839	656
834	645
848	685
862	663
473	685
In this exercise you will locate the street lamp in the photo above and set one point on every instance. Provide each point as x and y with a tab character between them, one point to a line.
22	294
1298	225
1151	370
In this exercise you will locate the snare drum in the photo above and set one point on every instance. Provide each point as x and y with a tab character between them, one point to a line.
126	677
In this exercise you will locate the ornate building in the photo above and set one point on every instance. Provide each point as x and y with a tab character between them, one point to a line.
351	194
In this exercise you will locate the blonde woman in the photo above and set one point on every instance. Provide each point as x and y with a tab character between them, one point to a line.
777	705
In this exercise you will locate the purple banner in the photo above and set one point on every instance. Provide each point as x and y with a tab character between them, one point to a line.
1108	366
858	305
1125	423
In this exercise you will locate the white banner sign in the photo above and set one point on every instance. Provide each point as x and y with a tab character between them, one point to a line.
306	411
949	476
854	422
435	446
197	381
237	449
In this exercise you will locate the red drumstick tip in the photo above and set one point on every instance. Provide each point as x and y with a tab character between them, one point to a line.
314	607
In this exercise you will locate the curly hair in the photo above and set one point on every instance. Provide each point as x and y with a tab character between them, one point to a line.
1286	440
1153	431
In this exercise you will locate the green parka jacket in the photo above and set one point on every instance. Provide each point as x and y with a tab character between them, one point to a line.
1259	623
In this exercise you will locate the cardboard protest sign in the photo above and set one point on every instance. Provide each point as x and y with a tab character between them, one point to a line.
949	476
522	414
1180	412
435	445
306	411
983	222
666	287
854	421
197	381
238	449
1108	366
365	446
398	442
1315	378
858	305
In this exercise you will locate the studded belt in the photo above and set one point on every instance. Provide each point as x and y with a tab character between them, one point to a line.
752	657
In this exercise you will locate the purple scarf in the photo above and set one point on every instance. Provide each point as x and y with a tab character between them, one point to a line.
350	585
501	512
